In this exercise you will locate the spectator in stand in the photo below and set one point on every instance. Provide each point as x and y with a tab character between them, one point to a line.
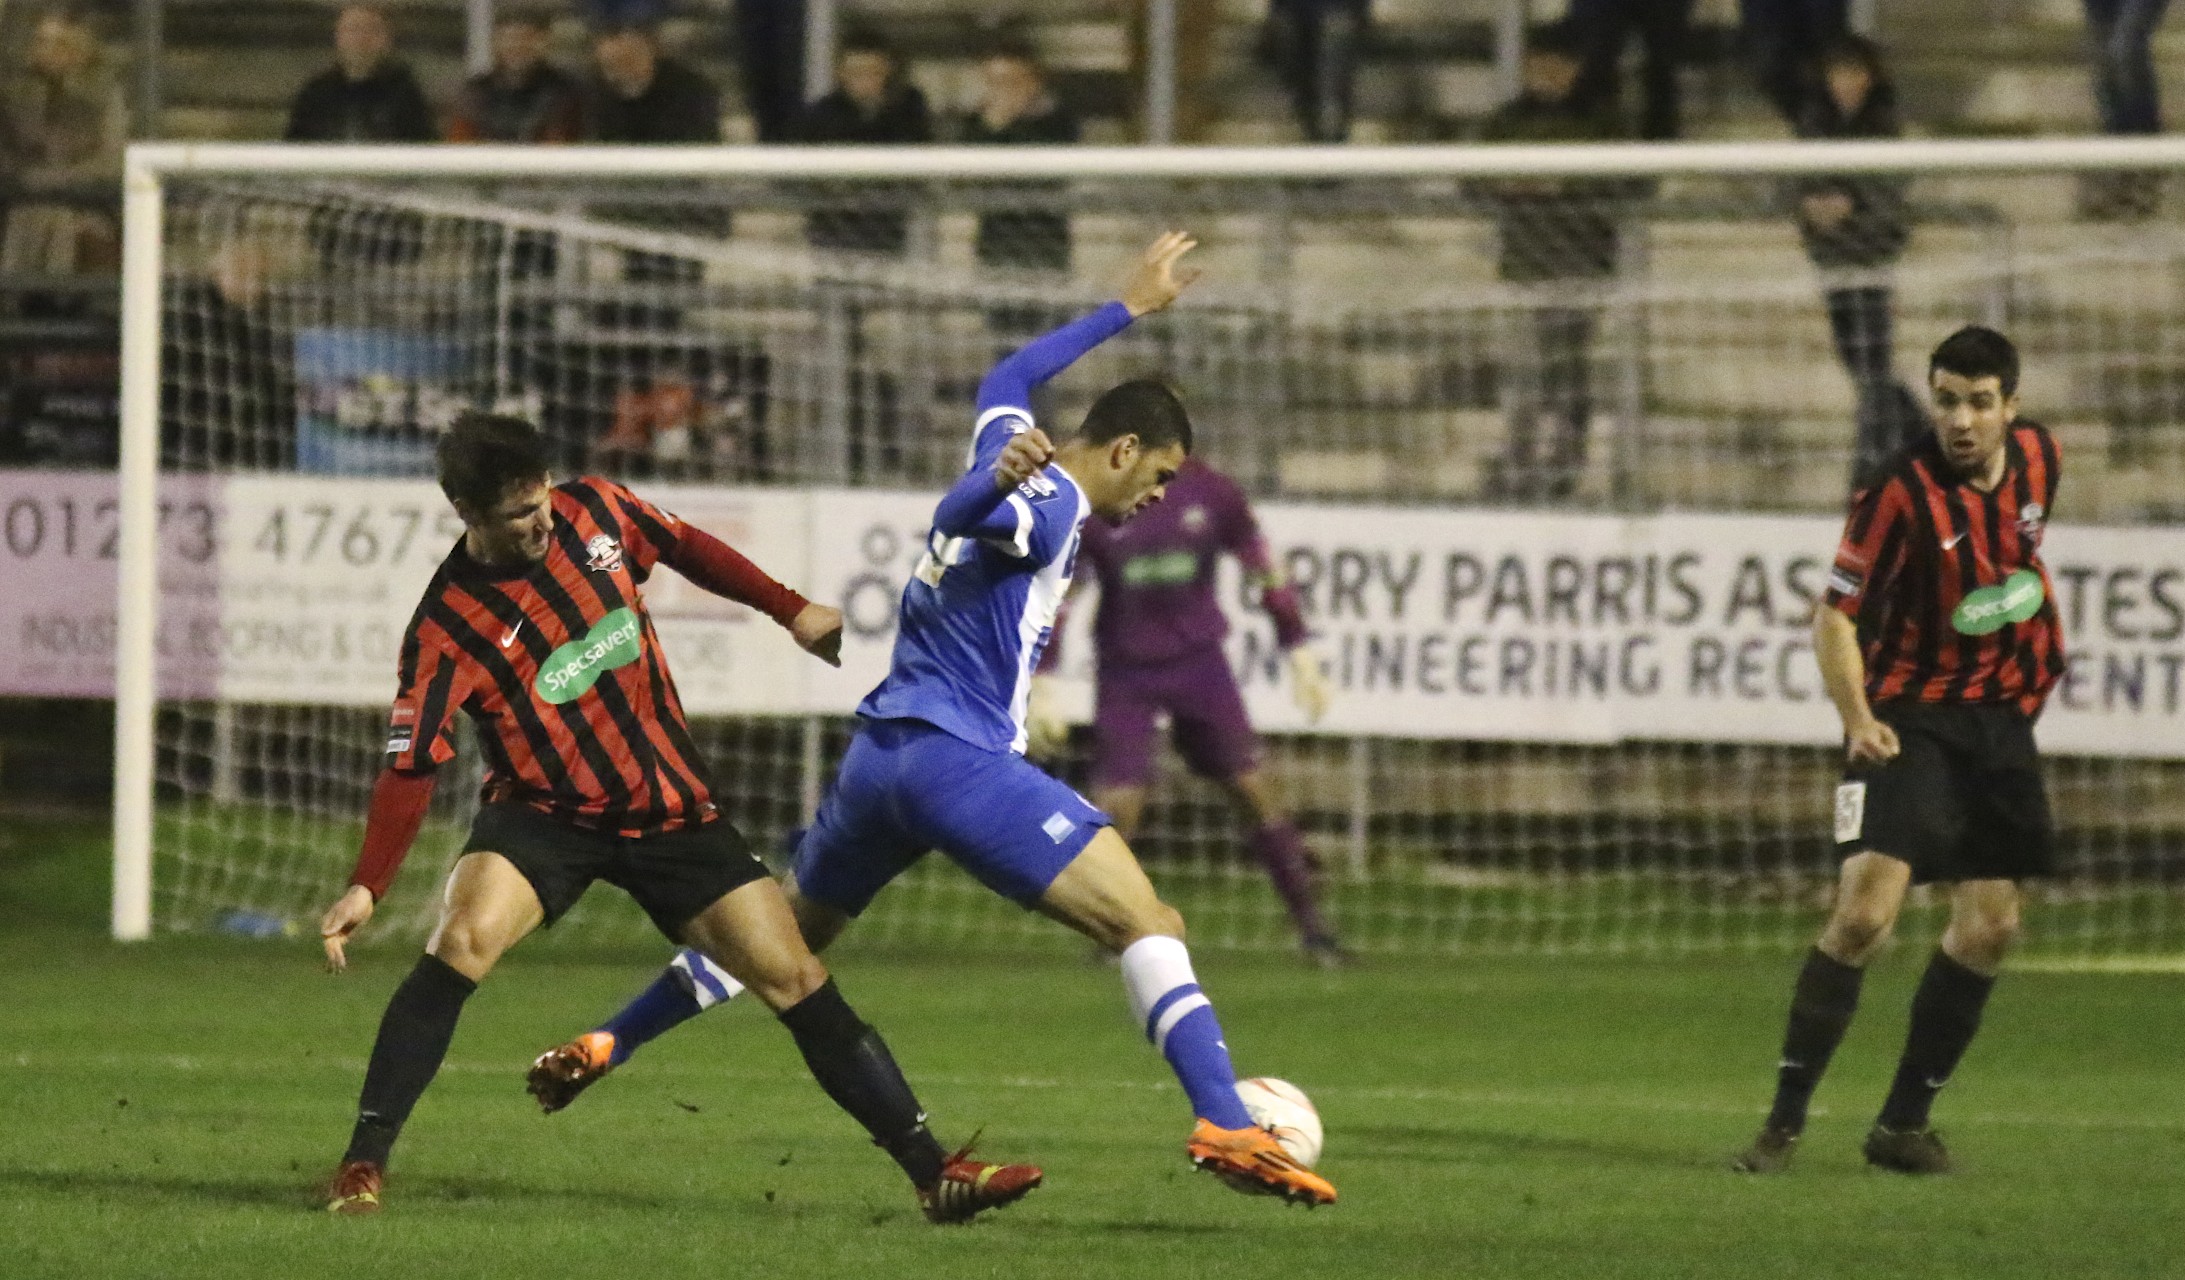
1662	27
1559	243
1854	228
368	95
227	394
770	56
1316	44
523	97
1016	109
873	104
2125	93
63	122
1780	37
641	95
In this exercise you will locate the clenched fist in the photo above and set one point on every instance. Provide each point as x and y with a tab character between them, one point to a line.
1022	458
817	629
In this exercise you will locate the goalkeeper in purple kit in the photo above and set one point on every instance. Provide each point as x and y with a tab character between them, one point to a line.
1158	636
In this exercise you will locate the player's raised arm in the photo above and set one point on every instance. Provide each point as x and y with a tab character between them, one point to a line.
1008	449
1159	279
1155	281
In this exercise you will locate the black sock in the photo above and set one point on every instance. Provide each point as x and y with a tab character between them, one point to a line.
1821	1006
413	1038
852	1063
1945	1014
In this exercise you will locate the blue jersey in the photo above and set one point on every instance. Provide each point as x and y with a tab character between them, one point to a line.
982	604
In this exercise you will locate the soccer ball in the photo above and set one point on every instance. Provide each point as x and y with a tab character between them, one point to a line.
1282	1109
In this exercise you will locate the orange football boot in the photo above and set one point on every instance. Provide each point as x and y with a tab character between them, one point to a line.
1251	1161
560	1074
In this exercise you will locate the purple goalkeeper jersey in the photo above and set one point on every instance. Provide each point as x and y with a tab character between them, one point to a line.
1156	572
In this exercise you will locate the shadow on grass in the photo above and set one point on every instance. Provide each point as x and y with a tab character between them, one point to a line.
1151	1228
274	1192
1471	1146
296	1191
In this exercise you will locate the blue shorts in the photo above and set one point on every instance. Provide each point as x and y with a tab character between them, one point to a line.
906	787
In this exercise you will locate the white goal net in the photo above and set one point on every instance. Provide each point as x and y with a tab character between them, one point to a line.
1554	442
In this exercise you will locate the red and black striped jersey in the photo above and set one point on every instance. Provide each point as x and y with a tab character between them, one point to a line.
559	669
1946	582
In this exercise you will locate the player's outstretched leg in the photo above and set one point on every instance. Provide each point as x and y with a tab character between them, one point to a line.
1868	895
687	987
1104	894
1945	1016
490	908
751	933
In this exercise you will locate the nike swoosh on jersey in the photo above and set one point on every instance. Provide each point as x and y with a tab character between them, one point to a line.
1948	543
510	638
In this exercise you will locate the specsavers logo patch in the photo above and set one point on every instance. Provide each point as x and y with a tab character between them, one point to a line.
1990	609
1161	569
570	671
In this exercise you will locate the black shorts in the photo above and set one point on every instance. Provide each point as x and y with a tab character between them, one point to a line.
674	875
1963	800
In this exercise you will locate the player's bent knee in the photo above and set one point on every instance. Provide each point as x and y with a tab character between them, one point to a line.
465	949
1158	920
820	923
1988	938
787	984
1857	928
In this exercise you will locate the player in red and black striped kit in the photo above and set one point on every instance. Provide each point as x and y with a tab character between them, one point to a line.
1938	641
535	629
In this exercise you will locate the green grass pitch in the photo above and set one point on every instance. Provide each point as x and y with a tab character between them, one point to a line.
169	1110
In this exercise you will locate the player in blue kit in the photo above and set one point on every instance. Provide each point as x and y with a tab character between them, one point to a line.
938	761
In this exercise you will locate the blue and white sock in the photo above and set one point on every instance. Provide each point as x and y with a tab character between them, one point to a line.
690	985
1178	1018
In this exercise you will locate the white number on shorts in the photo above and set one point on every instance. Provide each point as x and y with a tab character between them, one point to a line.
1850	811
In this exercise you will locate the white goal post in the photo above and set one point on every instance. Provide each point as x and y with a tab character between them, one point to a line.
1235	177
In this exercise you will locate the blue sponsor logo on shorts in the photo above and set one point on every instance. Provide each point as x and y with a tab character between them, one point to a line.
1057	827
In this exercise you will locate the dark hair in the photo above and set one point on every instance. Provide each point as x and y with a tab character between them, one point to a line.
485	454
1560	39
1977	352
1148	408
866	40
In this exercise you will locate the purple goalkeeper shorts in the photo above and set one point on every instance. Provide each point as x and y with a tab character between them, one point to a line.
1206	720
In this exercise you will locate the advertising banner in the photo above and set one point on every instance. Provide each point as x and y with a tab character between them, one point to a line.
59	538
372	401
1519	626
